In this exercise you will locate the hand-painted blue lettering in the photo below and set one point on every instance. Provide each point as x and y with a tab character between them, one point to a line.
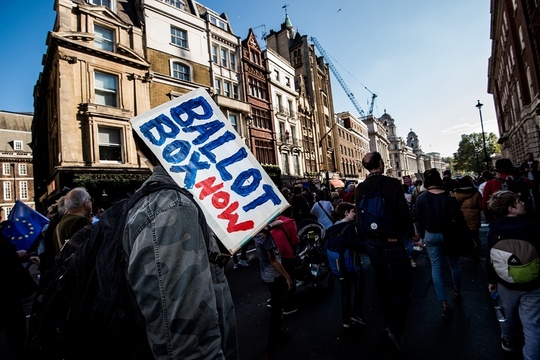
176	152
239	186
191	169
269	194
207	148
205	130
188	110
220	166
159	125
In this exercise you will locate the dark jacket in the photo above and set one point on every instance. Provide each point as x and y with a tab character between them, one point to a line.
394	200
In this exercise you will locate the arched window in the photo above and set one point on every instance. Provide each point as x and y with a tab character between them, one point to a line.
181	71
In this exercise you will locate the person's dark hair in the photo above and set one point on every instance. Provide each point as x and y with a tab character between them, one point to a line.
339	212
372	160
405	188
322	195
297	190
145	150
500	201
488	175
288	212
432	177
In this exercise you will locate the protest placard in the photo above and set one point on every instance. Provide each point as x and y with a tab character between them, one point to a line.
200	149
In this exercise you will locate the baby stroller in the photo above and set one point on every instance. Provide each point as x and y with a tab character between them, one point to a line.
312	268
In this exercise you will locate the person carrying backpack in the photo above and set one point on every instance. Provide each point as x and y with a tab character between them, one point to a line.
384	220
145	282
513	271
343	248
183	296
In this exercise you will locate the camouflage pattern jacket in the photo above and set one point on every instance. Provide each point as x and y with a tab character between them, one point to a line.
184	298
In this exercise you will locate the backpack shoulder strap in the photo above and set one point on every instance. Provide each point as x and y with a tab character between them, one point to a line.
326	212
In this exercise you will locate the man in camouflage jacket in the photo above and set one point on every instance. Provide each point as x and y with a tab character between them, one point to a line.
184	298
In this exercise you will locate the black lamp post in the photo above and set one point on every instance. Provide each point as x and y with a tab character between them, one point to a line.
333	159
249	122
486	157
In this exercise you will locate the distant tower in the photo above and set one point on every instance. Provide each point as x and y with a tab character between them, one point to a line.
389	124
287	24
412	140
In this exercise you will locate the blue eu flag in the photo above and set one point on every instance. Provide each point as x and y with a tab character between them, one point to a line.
23	225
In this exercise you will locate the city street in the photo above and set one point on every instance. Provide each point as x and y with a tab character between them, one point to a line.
317	333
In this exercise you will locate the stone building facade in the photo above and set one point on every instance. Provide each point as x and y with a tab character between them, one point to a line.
283	95
17	176
319	132
353	139
95	78
514	76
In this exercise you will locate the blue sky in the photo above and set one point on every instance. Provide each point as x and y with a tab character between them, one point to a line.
425	59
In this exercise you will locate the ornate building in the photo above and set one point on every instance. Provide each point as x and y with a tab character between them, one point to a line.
514	75
284	95
378	140
262	134
317	119
353	142
95	78
228	90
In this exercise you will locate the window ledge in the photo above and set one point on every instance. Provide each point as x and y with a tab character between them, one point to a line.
105	111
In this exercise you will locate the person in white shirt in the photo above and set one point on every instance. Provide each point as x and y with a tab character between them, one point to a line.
323	209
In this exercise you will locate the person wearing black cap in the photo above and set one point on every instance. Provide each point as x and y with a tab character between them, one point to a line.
505	172
449	184
470	203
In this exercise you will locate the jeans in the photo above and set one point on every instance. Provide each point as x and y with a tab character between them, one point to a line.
393	277
434	249
524	305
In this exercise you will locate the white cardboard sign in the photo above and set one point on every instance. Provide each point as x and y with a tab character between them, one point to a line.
202	152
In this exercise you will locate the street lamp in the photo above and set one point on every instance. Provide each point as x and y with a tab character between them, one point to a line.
249	122
326	160
486	157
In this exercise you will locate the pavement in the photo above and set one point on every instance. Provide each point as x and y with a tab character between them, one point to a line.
316	330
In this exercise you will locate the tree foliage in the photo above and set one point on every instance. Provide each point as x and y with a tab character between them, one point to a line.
470	155
450	161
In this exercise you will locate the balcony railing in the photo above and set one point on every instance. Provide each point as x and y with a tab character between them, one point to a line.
286	138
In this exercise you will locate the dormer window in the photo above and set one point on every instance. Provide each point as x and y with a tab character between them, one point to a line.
17	145
104	39
107	3
217	22
176	3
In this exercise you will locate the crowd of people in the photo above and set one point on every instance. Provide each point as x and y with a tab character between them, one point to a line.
438	213
442	215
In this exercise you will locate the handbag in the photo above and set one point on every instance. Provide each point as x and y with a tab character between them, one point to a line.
457	238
